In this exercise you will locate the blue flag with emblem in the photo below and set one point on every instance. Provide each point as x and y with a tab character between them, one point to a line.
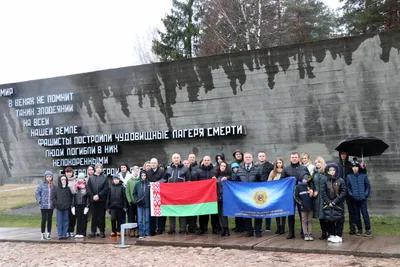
259	200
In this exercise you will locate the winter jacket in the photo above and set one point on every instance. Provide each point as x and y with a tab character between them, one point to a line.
295	170
116	198
62	196
126	178
130	186
235	160
302	196
219	184
344	167
193	168
44	194
176	174
251	175
141	193
318	179
204	173
222	155
80	197
329	194
358	186
155	176
265	169
98	185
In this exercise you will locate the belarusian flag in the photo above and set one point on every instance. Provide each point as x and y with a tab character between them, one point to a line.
184	199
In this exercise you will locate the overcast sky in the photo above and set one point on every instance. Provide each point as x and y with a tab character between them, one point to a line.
45	38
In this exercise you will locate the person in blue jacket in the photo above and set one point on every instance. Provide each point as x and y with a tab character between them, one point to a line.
359	188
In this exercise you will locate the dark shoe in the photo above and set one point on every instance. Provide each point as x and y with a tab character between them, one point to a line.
215	231
227	233
249	235
278	230
102	235
323	236
200	232
290	236
60	238
302	235
153	233
183	232
223	231
234	229
258	235
282	231
92	235
359	233
368	233
171	232
352	232
268	229
240	230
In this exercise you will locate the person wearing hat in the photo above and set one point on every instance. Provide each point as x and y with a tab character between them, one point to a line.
80	205
62	199
116	204
44	197
97	188
359	188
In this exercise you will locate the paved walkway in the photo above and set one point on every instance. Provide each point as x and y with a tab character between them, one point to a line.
375	246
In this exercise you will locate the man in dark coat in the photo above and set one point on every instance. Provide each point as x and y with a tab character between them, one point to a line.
296	170
205	172
250	173
156	174
237	157
265	168
177	173
98	187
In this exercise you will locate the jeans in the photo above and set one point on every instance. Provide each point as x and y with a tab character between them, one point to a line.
47	215
62	222
144	214
362	206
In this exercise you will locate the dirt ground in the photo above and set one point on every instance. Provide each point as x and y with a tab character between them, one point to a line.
26	254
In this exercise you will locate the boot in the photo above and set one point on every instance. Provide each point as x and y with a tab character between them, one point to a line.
323	236
278	230
48	237
282	230
227	231
223	232
290	235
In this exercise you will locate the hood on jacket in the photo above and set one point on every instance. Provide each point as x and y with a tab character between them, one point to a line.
347	156
237	150
235	165
46	173
123	164
59	180
222	155
334	165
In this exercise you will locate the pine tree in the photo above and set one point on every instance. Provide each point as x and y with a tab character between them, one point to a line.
181	32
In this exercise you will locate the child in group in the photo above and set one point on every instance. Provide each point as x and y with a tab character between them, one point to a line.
334	193
359	188
44	197
131	201
80	203
69	173
62	199
141	194
116	205
302	195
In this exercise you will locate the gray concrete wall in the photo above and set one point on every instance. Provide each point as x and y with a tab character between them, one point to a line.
302	98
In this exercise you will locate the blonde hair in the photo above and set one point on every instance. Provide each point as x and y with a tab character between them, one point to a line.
323	164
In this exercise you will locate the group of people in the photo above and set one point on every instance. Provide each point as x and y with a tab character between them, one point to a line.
321	191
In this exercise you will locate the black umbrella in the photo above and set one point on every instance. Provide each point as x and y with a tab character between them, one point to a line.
361	146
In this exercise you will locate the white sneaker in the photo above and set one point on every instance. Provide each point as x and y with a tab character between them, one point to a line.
71	234
43	236
48	237
336	239
339	239
331	238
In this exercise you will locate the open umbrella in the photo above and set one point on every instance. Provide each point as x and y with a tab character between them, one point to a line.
361	146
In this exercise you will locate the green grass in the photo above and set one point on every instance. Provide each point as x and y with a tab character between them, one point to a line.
381	225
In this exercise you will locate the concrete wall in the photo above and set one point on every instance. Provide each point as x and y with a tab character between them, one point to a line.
302	98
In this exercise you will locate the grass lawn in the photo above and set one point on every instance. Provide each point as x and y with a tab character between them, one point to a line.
14	196
381	225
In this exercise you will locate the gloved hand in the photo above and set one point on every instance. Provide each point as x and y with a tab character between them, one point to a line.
125	209
73	210
85	210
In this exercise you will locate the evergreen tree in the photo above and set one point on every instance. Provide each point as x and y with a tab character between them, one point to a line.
181	32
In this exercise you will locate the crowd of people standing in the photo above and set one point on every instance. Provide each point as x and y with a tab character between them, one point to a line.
321	192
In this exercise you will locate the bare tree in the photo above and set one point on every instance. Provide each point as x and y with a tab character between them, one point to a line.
142	46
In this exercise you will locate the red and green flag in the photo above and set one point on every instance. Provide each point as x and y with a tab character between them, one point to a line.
184	199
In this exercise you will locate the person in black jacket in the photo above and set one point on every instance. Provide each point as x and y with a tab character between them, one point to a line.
156	174
80	203
222	173
141	194
220	157
116	205
333	194
206	172
177	173
249	173
62	199
296	170
302	195
98	187
265	168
